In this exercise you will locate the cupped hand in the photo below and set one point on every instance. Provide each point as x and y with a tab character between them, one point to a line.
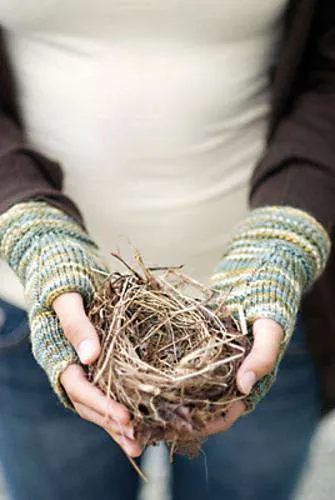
261	360
92	405
89	401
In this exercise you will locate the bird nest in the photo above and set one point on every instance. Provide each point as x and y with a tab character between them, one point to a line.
168	355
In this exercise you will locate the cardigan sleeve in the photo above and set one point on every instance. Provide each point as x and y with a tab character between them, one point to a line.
25	174
298	167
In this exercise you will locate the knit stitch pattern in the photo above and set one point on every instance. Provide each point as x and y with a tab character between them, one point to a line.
52	254
273	257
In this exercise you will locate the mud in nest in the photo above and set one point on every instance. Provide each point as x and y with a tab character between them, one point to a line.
167	355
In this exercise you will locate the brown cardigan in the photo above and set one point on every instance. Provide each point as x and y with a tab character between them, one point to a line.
297	169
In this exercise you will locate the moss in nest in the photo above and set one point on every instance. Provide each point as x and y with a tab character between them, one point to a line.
168	356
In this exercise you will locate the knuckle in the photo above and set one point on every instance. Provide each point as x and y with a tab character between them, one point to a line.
73	332
69	380
68	375
113	435
81	414
66	382
122	418
79	409
106	423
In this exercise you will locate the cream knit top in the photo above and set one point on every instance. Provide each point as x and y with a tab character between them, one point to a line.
156	109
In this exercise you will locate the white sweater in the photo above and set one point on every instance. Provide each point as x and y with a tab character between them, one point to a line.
156	109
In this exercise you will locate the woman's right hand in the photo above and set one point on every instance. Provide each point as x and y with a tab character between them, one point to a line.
89	401
60	267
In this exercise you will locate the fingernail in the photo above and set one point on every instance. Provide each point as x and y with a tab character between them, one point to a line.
130	434
85	350
247	381
124	431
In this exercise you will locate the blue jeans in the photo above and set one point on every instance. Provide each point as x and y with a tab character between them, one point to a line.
48	453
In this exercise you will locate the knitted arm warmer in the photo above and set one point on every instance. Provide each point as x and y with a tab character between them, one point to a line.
274	256
52	255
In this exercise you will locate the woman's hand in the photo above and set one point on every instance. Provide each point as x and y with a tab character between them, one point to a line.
273	257
92	405
60	267
261	361
89	402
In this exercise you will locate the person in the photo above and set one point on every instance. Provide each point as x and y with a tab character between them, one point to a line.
158	113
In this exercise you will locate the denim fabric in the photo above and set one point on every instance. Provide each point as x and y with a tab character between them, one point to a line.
48	453
262	456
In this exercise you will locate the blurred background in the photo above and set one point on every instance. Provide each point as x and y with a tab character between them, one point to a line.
318	482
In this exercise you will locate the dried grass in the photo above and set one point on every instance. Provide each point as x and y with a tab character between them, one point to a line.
168	356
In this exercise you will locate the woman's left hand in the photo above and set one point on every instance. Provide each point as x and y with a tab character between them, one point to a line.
273	257
261	361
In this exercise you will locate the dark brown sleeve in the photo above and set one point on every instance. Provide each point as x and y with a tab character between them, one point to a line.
25	174
298	167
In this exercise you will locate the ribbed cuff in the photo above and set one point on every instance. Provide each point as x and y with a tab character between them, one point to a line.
52	350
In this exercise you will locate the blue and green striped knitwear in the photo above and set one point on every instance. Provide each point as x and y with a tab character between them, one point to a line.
51	254
275	255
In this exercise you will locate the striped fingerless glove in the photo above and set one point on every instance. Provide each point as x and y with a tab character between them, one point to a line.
274	256
51	254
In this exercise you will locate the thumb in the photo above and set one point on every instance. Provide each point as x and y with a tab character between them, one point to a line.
263	356
77	328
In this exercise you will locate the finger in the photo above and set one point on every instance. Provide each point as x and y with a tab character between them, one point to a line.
106	422
262	358
80	390
222	424
80	332
130	447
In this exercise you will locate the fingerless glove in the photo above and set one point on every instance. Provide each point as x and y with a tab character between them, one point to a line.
274	256
51	254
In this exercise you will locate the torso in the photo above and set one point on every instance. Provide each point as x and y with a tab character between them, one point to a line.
157	110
